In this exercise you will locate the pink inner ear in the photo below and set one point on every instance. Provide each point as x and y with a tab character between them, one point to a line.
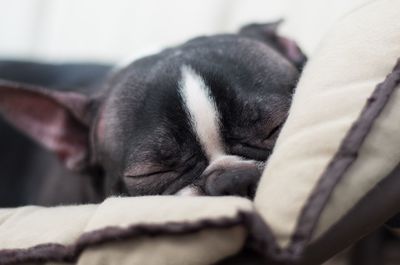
291	50
48	122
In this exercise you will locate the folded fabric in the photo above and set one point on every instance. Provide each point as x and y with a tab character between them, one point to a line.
141	230
332	178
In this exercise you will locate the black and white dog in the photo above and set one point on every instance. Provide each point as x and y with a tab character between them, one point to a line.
197	119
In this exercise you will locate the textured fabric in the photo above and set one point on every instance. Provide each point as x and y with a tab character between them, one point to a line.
356	55
126	231
163	209
205	247
28	226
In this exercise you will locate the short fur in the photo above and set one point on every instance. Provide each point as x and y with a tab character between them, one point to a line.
136	134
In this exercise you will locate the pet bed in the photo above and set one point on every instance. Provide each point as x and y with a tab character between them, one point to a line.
333	178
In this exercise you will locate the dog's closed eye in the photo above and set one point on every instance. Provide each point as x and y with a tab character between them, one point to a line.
149	174
148	179
274	132
250	151
255	148
141	170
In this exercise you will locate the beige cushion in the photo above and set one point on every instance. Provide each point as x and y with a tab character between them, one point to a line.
141	230
295	203
358	53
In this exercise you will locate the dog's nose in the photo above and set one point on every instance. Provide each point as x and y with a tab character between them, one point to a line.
233	181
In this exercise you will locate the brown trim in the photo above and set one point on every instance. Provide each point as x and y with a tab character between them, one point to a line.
383	200
260	237
70	253
264	241
357	223
341	162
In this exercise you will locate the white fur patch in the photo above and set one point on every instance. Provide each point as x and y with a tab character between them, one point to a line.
189	191
203	112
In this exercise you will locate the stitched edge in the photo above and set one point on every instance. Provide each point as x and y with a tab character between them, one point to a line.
340	163
359	221
71	253
260	237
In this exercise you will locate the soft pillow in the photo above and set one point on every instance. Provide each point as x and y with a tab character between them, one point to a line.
142	230
341	139
333	176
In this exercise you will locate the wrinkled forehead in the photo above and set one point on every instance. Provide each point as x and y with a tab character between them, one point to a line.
241	62
141	115
144	100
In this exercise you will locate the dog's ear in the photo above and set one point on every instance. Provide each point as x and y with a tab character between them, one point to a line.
59	121
267	33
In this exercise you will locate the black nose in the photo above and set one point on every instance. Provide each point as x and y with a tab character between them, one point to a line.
236	182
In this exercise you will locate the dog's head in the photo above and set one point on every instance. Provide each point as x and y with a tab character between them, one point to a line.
199	118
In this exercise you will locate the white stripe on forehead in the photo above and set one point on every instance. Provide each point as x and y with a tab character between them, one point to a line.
203	112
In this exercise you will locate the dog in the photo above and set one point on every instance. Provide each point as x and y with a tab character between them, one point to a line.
200	118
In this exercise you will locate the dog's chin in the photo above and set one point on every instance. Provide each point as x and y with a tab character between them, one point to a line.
190	190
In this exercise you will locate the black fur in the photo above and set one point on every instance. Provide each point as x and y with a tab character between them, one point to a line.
138	118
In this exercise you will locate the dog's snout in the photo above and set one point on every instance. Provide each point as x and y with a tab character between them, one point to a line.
233	181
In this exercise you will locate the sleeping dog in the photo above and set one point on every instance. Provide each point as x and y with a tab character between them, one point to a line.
200	118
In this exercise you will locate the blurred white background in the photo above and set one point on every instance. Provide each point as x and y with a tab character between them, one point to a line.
110	30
